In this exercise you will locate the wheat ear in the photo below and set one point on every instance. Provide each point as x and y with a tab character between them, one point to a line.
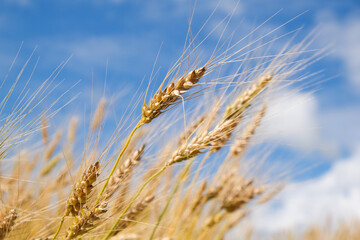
138	208
123	171
52	146
7	223
240	144
160	102
171	94
86	221
78	195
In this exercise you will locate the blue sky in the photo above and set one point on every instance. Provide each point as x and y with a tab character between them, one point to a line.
128	34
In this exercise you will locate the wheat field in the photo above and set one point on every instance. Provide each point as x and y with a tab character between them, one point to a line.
183	161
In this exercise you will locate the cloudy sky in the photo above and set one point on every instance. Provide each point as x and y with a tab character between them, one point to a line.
121	39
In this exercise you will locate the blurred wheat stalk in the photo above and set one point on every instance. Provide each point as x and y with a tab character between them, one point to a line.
181	173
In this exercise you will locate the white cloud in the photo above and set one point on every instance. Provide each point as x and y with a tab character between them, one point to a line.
292	119
345	37
335	194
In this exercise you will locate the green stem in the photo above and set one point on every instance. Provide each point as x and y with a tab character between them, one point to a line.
170	198
117	162
133	200
59	228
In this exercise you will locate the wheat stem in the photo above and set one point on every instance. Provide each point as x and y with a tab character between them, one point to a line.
59	228
133	200
117	162
186	170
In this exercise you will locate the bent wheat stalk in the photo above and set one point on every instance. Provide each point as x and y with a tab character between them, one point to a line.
159	103
214	139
